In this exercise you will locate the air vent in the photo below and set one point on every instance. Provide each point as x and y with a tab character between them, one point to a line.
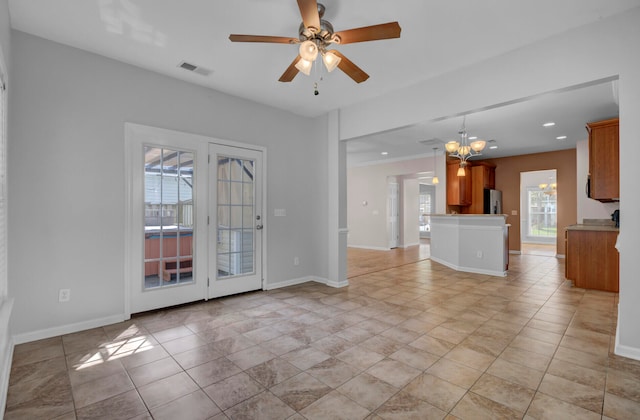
196	69
432	142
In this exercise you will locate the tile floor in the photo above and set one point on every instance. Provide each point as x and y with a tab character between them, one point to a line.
418	341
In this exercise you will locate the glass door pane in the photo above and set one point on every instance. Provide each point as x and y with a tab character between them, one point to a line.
236	217
168	217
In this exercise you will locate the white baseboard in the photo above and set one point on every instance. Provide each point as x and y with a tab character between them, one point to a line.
6	350
291	282
515	252
410	245
622	350
560	256
470	269
306	279
67	329
373	248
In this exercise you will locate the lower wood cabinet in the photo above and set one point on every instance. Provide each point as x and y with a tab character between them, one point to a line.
592	260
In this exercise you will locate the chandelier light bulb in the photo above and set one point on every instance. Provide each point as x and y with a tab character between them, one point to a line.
304	66
330	61
435	180
308	50
452	146
478	145
461	171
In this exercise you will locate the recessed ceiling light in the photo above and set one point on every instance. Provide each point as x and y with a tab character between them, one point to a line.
561	137
549	124
493	147
384	153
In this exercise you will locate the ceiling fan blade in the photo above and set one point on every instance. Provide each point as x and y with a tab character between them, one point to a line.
309	13
290	72
263	38
370	33
351	70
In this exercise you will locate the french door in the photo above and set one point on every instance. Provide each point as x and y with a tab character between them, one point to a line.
193	221
235	236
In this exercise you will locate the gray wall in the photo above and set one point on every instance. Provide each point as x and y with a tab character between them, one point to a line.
66	175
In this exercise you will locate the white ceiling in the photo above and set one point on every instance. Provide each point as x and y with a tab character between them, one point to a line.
438	36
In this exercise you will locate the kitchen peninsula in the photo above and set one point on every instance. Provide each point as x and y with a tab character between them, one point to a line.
475	243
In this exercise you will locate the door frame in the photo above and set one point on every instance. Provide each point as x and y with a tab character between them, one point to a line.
135	136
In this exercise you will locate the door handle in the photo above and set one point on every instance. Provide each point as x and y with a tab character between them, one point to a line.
259	227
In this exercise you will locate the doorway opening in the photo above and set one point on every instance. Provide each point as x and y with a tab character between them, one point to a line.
538	215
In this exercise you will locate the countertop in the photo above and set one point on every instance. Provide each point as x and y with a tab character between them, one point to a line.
603	225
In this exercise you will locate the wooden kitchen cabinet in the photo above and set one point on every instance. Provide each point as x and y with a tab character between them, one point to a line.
483	175
592	259
458	187
604	158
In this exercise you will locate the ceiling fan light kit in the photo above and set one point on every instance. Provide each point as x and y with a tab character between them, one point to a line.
316	35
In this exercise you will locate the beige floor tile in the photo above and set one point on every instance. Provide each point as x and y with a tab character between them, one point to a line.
620	408
432	345
405	406
393	372
122	406
516	373
197	356
469	357
300	391
476	407
368	391
415	358
435	391
213	371
455	373
504	392
100	389
305	358
168	389
194	406
577	373
233	390
333	372
572	392
334	406
153	371
262	406
359	357
272	372
545	407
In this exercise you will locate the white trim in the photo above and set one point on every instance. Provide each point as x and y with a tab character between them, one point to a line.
301	280
514	252
291	282
560	256
622	350
68	329
409	245
6	350
469	269
374	248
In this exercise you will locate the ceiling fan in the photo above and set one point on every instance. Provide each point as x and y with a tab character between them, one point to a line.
316	35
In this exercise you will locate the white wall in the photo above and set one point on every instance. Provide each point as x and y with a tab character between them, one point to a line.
66	182
588	208
410	212
603	49
368	224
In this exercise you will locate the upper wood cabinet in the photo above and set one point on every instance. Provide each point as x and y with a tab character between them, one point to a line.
458	187
483	175
604	158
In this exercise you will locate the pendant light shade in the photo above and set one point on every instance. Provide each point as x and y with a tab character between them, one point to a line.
304	66
308	51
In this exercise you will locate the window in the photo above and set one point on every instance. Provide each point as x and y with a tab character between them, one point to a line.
168	217
542	214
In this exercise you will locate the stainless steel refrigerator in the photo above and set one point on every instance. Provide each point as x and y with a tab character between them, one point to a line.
492	201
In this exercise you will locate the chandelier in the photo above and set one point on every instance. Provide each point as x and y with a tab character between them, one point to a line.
464	150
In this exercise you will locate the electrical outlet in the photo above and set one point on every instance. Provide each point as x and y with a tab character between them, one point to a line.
64	295
296	261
